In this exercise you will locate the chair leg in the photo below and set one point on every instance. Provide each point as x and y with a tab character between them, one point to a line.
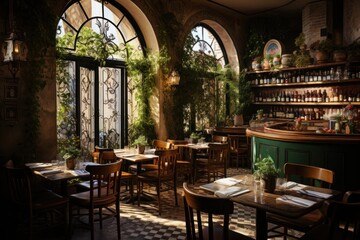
158	197
91	222
175	193
118	219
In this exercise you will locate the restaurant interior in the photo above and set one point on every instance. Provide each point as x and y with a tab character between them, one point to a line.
125	119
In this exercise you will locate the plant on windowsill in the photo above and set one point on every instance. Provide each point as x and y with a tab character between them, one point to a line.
264	168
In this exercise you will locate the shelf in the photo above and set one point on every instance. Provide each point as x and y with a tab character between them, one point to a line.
307	84
307	103
310	67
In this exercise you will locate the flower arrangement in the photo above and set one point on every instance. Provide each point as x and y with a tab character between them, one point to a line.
349	113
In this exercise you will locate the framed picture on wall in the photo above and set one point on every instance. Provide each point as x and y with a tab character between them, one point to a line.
10	112
11	92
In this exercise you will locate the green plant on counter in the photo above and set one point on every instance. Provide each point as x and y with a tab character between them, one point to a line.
264	168
325	45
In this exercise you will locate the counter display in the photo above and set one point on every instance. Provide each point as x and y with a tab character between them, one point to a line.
338	152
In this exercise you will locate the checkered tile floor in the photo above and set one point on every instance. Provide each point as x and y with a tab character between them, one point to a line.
143	222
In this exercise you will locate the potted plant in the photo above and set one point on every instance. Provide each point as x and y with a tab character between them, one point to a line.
353	50
264	168
322	49
194	136
267	62
140	142
300	41
70	154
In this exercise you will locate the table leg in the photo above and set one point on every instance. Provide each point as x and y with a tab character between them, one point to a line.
261	225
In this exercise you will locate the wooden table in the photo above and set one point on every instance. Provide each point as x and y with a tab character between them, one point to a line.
57	174
268	203
138	159
194	149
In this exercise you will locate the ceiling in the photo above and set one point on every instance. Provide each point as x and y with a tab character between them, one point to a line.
255	7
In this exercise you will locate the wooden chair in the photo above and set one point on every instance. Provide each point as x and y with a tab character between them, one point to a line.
239	150
100	197
41	210
216	163
127	178
157	145
310	175
342	220
214	138
164	178
183	162
196	203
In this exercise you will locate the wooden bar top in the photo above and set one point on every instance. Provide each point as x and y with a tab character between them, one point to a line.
296	136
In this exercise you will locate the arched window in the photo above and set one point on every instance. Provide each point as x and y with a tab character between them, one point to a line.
206	55
92	83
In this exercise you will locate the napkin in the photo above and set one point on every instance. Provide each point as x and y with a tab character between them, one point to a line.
228	181
293	185
52	171
230	192
315	194
295	201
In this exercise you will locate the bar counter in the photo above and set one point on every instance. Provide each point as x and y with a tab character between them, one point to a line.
338	152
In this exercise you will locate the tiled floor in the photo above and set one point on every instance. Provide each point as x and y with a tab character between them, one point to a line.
143	222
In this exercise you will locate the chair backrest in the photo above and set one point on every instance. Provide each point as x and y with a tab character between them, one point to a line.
19	185
107	157
237	141
159	144
109	173
352	196
220	139
217	153
183	152
211	205
309	174
166	162
343	219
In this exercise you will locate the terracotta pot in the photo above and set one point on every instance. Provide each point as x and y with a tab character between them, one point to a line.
339	56
321	57
70	163
266	64
141	149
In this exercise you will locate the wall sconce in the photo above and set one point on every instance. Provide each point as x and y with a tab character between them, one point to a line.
174	78
14	49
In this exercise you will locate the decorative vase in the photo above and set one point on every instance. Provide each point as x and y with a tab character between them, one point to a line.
286	60
276	61
70	163
269	184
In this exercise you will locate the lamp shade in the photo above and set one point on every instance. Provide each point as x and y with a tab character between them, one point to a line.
174	78
14	49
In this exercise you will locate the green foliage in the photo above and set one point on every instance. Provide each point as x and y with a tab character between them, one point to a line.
300	40
265	168
36	13
322	45
87	41
140	141
255	44
69	147
142	69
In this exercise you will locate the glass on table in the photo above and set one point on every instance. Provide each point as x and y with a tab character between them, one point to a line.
281	185
258	190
